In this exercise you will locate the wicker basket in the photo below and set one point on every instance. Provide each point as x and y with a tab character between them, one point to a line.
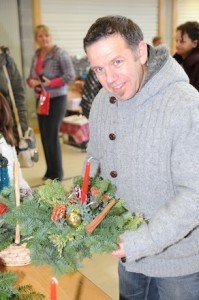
15	255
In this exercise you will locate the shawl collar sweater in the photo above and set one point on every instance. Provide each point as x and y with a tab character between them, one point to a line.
155	157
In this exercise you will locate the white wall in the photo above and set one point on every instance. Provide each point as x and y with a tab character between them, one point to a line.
188	10
9	29
69	20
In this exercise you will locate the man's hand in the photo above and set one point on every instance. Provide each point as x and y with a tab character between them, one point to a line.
120	253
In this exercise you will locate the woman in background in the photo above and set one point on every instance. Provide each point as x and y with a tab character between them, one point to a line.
8	154
17	87
52	70
187	50
157	41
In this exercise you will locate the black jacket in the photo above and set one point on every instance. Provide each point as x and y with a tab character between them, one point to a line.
191	66
17	87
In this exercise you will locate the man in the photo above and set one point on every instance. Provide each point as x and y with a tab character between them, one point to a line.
17	88
144	136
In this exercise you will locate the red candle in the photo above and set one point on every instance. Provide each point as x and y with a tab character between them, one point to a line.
53	288
85	184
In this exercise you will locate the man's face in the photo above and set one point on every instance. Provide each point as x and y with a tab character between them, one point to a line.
118	68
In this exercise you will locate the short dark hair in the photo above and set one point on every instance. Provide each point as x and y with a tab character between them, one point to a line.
191	28
110	25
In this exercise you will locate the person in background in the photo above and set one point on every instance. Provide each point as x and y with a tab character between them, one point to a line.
144	137
17	88
8	154
90	90
187	50
157	40
51	69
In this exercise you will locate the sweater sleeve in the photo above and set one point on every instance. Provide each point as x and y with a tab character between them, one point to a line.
67	68
177	218
56	82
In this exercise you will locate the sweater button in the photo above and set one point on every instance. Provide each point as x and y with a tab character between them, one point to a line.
112	136
112	100
113	174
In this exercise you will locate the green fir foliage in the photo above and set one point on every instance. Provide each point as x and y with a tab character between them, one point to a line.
7	290
57	243
10	291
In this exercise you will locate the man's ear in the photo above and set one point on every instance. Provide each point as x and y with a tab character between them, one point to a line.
142	52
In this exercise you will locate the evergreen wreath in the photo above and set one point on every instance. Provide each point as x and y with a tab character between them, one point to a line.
60	230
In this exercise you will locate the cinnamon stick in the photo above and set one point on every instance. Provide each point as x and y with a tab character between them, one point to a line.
91	226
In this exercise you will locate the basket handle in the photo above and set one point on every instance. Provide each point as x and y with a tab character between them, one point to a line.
17	198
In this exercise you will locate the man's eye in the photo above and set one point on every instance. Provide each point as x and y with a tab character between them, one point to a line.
98	70
117	62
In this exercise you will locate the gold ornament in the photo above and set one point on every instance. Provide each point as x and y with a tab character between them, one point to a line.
73	219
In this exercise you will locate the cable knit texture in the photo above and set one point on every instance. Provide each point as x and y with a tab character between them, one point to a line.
156	156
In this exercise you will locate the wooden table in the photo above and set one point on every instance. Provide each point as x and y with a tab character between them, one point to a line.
74	286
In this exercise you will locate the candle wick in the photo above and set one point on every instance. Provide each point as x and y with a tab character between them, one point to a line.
55	280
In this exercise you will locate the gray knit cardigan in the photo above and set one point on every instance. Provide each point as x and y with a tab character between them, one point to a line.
156	157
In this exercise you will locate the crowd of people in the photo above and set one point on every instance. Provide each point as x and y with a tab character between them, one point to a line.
144	137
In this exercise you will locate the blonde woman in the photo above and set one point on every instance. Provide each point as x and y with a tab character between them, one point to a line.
52	70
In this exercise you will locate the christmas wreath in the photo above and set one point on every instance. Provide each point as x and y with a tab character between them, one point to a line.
61	230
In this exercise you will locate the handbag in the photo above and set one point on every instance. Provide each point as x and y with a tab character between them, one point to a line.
44	103
27	151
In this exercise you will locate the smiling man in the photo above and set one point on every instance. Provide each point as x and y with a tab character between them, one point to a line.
144	137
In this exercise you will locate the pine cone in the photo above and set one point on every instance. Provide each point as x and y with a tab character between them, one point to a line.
105	198
58	213
95	191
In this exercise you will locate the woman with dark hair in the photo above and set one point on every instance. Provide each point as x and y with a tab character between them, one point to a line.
187	50
8	154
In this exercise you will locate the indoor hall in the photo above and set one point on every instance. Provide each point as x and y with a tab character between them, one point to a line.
97	279
69	20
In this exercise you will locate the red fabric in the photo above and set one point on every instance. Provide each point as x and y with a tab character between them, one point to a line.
56	82
80	133
44	103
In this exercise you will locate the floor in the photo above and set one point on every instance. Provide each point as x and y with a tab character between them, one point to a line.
101	269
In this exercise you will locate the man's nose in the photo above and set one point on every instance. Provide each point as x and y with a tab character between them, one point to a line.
110	75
